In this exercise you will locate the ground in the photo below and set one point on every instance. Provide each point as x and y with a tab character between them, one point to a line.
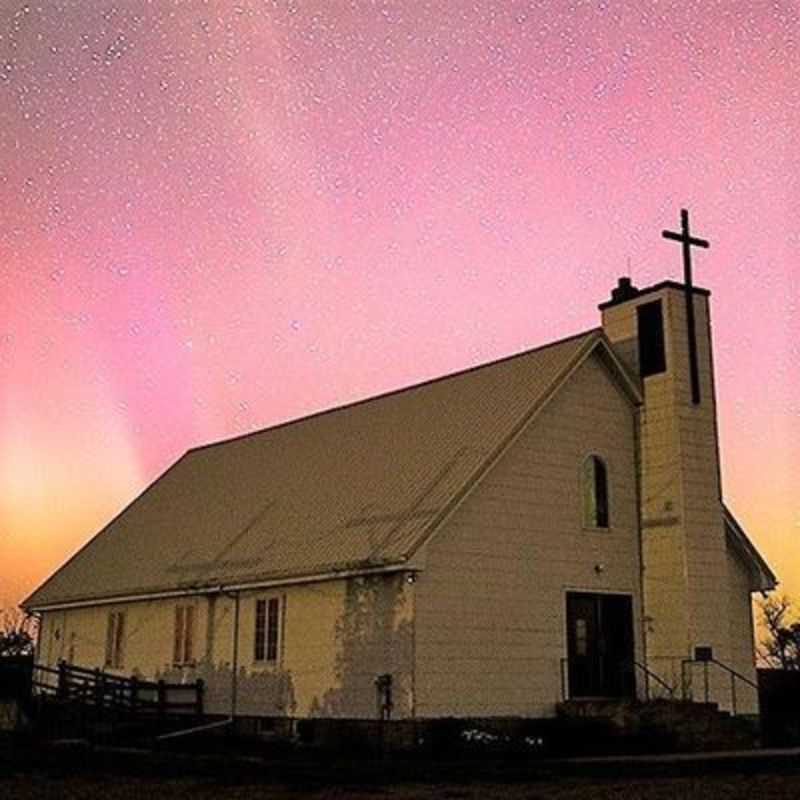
720	787
74	774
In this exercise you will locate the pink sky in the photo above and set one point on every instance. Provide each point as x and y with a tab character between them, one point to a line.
218	216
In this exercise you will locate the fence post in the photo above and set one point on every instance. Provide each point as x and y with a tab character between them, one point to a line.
62	679
199	691
705	679
733	693
162	701
98	687
134	693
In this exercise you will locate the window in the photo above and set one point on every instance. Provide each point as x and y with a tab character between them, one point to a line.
115	639
652	358
184	636
595	493
581	637
266	635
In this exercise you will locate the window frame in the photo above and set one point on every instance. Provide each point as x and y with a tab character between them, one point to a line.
115	640
183	635
268	621
593	523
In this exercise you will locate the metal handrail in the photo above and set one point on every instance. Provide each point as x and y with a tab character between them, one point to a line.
658	679
564	663
732	672
739	675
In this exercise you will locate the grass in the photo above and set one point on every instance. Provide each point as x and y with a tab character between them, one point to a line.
28	770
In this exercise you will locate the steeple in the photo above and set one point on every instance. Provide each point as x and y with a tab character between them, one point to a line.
682	522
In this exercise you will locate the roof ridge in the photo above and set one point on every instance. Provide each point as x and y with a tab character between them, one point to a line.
392	392
525	419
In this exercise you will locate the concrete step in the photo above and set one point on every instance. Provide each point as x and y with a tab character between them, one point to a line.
659	725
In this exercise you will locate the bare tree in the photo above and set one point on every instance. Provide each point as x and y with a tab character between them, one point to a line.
780	646
17	633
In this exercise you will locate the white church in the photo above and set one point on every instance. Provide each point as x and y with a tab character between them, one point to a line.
545	527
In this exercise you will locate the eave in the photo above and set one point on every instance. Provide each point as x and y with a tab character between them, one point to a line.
766	579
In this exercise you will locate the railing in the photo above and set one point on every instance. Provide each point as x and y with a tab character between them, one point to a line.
631	666
626	668
734	676
67	682
650	675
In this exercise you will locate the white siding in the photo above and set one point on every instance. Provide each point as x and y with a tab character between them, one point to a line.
336	637
740	619
490	621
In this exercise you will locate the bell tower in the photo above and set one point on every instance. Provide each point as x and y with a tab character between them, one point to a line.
682	524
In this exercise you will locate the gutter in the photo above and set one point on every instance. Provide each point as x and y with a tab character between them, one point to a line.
203	590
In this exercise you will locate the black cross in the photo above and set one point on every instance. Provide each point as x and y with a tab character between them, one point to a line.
687	241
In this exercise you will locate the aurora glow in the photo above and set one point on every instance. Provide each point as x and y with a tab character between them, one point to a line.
215	216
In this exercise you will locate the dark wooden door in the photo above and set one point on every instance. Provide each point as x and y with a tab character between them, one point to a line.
600	645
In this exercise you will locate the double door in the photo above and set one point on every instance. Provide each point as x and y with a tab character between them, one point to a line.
600	645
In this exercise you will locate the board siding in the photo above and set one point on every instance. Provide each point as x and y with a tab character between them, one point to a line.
490	621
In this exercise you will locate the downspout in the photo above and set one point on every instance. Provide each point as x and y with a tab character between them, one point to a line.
235	675
413	648
49	641
637	448
230	721
37	645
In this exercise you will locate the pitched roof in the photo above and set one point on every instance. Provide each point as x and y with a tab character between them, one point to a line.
353	488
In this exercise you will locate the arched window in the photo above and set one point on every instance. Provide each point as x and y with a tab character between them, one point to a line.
595	493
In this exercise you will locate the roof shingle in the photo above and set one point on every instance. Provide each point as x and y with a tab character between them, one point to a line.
351	488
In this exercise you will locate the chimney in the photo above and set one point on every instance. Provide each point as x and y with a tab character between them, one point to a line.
624	290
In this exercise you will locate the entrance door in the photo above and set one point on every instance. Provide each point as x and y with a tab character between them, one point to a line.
600	645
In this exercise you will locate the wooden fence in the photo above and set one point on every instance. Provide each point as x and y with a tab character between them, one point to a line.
93	687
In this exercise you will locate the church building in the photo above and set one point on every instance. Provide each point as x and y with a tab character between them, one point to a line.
545	527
